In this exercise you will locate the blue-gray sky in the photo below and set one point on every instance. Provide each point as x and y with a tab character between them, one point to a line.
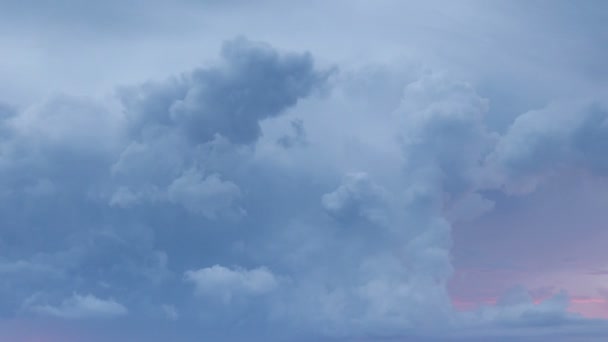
294	171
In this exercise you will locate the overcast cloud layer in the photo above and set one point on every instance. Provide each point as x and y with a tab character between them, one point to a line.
289	171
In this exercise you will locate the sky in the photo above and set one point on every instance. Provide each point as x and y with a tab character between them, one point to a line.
344	170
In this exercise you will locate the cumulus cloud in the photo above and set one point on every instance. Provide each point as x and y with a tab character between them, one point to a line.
82	307
201	120
357	197
228	283
113	200
445	137
253	83
208	196
440	118
84	180
71	123
392	281
563	135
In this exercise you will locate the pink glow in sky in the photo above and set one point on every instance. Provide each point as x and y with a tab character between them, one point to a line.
272	170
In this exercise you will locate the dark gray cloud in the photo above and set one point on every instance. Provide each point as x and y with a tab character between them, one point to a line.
254	83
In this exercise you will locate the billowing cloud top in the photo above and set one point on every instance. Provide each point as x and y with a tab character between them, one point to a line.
280	195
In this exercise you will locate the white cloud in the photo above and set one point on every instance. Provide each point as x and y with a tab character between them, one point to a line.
209	196
77	123
421	166
563	135
82	307
227	283
358	197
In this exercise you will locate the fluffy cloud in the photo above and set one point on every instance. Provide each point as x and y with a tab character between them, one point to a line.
71	123
253	83
80	307
129	203
392	280
209	196
227	283
97	190
445	137
202	119
563	135
357	197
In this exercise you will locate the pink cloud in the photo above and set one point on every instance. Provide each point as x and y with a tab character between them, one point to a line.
590	307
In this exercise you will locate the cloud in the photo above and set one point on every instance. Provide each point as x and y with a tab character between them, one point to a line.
441	118
297	139
228	283
392	281
71	123
468	207
83	307
201	120
209	196
517	308
563	135
6	113
254	82
516	315
128	199
358	197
